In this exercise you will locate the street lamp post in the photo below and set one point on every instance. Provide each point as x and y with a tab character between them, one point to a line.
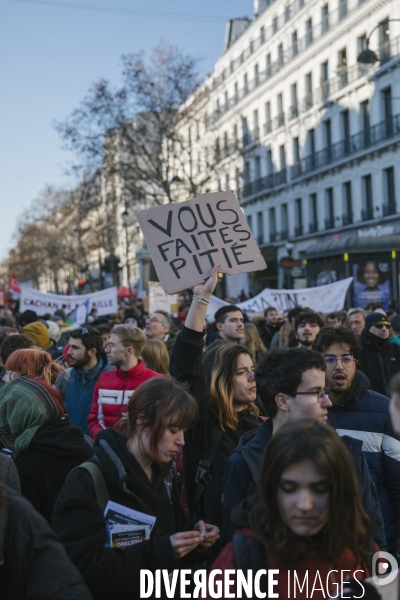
368	56
288	276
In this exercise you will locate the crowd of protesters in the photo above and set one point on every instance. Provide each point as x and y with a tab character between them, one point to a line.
155	441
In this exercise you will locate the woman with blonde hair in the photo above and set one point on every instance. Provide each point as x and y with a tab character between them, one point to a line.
35	427
224	386
253	342
155	356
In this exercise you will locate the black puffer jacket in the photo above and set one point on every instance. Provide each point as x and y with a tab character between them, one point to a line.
56	448
79	523
33	564
379	361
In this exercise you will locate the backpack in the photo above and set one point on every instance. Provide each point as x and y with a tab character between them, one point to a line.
102	496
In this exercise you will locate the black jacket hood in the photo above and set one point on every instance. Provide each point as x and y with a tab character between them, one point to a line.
59	437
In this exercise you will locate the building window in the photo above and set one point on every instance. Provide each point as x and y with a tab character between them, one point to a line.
342	9
325	80
365	122
268	122
330	212
324	18
256	76
280	55
309	91
342	67
287	12
296	151
389	208
235	136
328	139
257	165
367	211
260	227
282	157
256	131
227	183
387	110
309	32
281	116
362	43
384	42
345	120
272	225
294	109
262	35
268	66
236	93
313	213
298	217
284	222
275	25
295	48
270	165
310	164
245	84
249	222
347	204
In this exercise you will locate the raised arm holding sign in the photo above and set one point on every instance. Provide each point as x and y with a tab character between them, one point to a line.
188	239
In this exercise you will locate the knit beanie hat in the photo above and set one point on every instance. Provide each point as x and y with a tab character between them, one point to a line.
29	316
376	317
38	333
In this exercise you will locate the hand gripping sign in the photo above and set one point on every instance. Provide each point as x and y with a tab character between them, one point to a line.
187	239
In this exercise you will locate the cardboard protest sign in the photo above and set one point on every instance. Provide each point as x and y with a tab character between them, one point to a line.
186	240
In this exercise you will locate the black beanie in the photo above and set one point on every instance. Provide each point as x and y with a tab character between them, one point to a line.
29	316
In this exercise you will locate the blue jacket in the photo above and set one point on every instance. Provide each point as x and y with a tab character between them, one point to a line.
242	470
79	395
364	415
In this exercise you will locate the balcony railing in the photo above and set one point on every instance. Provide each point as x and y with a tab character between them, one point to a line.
298	230
264	183
330	223
376	134
367	214
344	77
284	234
272	236
249	137
313	227
347	219
389	209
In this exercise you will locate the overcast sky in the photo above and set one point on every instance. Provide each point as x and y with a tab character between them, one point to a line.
52	50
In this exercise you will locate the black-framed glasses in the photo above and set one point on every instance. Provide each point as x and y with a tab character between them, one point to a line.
321	394
347	360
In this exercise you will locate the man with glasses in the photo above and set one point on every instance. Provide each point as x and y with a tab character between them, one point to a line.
363	414
87	361
161	327
114	388
379	358
291	385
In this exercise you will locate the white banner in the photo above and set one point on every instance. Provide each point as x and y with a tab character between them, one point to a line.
325	298
159	300
105	301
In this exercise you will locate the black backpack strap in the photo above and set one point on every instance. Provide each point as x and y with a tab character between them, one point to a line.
249	554
203	477
102	496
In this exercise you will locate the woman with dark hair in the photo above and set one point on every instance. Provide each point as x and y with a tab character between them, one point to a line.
35	427
133	471
371	284
224	386
306	517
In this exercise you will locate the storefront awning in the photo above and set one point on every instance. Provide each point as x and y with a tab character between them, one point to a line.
352	245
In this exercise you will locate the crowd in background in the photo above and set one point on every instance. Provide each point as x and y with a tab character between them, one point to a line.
268	438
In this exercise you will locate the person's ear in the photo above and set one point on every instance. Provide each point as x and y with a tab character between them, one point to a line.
282	401
92	352
218	326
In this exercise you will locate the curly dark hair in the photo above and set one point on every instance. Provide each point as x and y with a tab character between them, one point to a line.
341	335
348	525
281	372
